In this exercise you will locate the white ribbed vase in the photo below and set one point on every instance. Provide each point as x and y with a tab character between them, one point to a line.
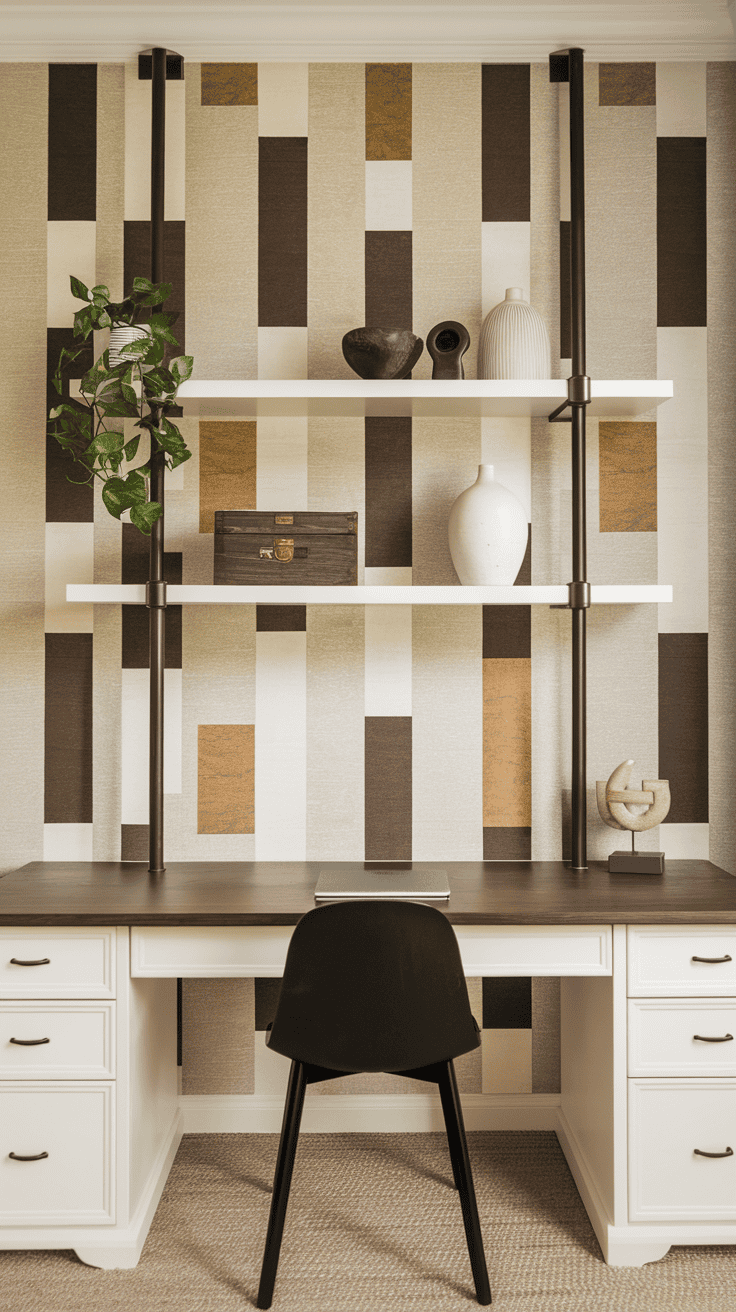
119	339
487	532
514	342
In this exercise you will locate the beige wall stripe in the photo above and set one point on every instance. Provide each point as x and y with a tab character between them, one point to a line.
110	176
335	733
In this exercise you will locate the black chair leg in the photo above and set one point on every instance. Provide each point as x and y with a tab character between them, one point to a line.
464	1179
282	1181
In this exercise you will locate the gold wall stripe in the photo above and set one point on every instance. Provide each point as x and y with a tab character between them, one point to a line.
227	468
507	744
229	84
627	84
225	803
388	111
628	477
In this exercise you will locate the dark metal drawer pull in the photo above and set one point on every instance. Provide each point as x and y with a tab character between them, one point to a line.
31	1043
704	1038
46	961
37	1158
713	961
700	1153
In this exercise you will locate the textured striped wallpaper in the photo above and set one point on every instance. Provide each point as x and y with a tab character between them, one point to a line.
301	201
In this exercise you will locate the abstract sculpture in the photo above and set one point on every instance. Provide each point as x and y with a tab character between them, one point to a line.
634	809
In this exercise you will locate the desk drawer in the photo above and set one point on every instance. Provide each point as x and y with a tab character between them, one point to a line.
80	1040
662	1036
74	1124
660	961
74	963
668	1120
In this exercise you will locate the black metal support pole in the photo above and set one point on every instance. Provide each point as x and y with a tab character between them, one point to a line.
156	597
579	558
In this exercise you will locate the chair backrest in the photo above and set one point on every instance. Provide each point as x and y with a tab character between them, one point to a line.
373	986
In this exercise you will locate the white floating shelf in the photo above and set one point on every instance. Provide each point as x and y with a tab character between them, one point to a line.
357	397
134	594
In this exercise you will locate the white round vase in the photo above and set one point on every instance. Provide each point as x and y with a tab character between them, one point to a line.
514	342
488	532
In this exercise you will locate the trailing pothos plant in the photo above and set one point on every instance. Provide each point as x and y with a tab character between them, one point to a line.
88	427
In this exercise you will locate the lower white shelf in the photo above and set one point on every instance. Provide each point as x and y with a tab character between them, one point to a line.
134	594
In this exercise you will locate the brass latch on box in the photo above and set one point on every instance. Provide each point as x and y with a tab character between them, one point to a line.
282	549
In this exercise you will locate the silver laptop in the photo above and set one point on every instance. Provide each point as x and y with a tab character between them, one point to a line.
421	885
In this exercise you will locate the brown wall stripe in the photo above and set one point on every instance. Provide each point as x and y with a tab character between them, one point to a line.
507	632
388	280
507	1002
137	263
66	502
226	779
387	491
507	746
507	843
627	468
282	232
388	810
388	111
565	292
68	729
627	84
72	167
683	724
281	619
135	569
681	232
229	84
227	468
134	842
524	577
506	143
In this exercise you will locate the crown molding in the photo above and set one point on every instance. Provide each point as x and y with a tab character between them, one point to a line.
355	33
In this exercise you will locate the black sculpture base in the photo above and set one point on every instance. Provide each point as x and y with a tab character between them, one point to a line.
636	863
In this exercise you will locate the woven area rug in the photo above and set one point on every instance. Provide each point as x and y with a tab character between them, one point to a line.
373	1225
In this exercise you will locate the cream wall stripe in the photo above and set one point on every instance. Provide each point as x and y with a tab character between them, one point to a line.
69	559
106	688
336	471
445	459
281	746
681	110
23	247
545	191
281	465
506	444
138	147
71	249
682	479
68	842
507	1061
134	741
221	234
336	213
685	842
388	660
620	237
282	352
446	167
721	203
110	176
388	187
388	576
506	254
283	100
447	733
335	733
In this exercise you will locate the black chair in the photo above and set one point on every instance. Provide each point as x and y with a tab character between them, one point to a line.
373	986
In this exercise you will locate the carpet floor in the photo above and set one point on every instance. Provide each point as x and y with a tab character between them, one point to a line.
373	1225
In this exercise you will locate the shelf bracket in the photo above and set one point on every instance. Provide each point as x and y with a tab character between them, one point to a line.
578	393
578	597
156	594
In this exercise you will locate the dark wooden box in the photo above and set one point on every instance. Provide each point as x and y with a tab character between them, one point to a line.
302	547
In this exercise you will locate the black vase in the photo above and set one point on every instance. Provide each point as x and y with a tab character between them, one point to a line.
447	343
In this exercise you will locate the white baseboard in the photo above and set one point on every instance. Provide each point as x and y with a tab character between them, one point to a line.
350	1112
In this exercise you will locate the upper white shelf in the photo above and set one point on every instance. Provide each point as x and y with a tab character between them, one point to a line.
357	397
134	594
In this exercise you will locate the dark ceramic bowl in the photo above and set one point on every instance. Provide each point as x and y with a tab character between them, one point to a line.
381	352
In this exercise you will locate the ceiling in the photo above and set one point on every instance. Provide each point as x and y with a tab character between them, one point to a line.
102	30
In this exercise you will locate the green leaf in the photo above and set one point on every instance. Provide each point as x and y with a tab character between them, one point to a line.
143	285
160	327
78	289
101	290
129	396
83	322
179	458
119	409
136	349
107	443
131	448
115	497
103	319
144	517
155	352
181	368
159	381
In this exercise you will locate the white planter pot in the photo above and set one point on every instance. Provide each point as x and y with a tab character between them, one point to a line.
119	339
514	342
488	532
